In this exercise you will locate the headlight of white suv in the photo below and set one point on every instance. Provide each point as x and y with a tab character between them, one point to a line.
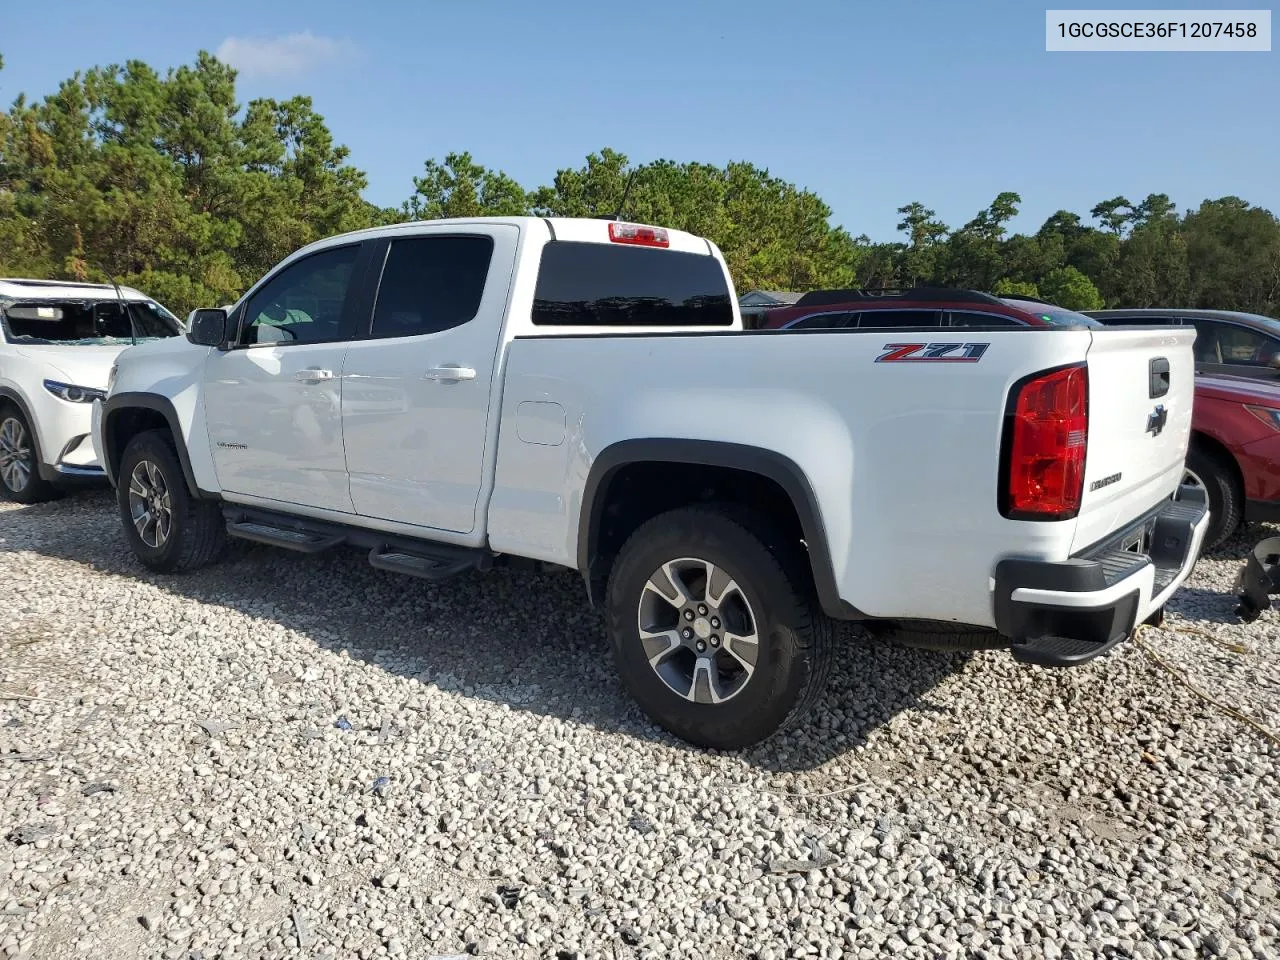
72	393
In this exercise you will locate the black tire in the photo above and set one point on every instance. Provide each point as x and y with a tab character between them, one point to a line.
1226	499
197	531
939	636
793	657
33	488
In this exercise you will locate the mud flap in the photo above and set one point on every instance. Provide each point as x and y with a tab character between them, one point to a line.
1259	579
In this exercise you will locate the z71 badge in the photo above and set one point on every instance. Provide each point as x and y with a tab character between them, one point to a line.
932	352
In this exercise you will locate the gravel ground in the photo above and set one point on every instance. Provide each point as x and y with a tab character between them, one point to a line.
302	756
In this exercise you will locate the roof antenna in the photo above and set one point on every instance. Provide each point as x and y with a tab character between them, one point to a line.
626	192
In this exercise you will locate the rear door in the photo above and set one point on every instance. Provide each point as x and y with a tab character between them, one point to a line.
416	385
1141	388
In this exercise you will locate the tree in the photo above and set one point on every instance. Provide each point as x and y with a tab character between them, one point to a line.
164	182
460	187
1008	288
1157	208
1068	287
1114	214
1233	255
924	232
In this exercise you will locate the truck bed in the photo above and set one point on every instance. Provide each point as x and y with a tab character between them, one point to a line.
897	432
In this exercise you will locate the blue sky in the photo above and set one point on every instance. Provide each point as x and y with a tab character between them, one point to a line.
869	105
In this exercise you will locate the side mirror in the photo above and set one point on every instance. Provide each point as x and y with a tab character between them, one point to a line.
207	328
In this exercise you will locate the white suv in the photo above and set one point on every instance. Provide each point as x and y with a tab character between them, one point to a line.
58	341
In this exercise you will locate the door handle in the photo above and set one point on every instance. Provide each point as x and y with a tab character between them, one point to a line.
451	372
313	375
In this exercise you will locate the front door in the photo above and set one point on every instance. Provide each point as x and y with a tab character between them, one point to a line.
273	402
416	387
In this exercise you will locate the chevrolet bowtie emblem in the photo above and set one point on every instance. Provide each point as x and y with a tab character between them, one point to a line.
1156	420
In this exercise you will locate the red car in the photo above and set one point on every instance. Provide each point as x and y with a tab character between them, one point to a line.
919	307
1235	452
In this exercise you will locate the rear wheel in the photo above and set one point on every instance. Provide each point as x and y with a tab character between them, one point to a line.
168	529
20	479
715	636
1211	471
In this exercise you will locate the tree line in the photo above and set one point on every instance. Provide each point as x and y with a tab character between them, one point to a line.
167	183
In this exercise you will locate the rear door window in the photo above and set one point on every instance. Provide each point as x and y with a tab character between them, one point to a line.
608	285
877	319
825	321
1230	344
430	284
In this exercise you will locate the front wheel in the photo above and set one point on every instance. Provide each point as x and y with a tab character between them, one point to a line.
20	479
168	529
715	636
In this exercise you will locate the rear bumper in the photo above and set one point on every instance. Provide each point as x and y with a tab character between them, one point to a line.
1060	614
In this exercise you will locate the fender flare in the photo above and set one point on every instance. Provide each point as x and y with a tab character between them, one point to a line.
120	402
782	470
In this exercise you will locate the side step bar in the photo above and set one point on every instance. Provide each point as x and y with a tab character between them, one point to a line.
300	540
417	564
427	559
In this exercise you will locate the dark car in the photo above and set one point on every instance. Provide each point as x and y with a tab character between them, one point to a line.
919	307
1227	342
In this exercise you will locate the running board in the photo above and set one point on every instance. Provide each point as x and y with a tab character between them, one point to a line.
420	565
300	540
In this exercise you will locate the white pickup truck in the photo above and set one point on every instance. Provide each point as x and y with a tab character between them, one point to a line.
449	395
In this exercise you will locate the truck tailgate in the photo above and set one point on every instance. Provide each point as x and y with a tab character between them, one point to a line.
1141	387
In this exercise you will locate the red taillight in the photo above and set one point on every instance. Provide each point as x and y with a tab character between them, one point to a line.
1045	444
639	235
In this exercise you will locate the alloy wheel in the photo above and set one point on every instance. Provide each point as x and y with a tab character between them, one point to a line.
699	632
15	455
150	505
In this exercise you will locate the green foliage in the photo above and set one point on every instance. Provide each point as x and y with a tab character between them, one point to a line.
460	187
168	183
1068	287
1016	288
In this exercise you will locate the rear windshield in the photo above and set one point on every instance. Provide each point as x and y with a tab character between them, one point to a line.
87	322
1055	315
608	285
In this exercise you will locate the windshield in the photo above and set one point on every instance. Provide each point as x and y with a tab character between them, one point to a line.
86	322
1054	315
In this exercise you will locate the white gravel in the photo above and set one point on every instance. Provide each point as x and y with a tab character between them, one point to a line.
175	779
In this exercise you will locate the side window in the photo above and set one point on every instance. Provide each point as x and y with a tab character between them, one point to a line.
303	303
1206	346
1242	345
877	319
825	321
974	318
431	284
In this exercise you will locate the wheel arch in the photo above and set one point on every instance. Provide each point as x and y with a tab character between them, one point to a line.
595	553
125	415
1215	447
